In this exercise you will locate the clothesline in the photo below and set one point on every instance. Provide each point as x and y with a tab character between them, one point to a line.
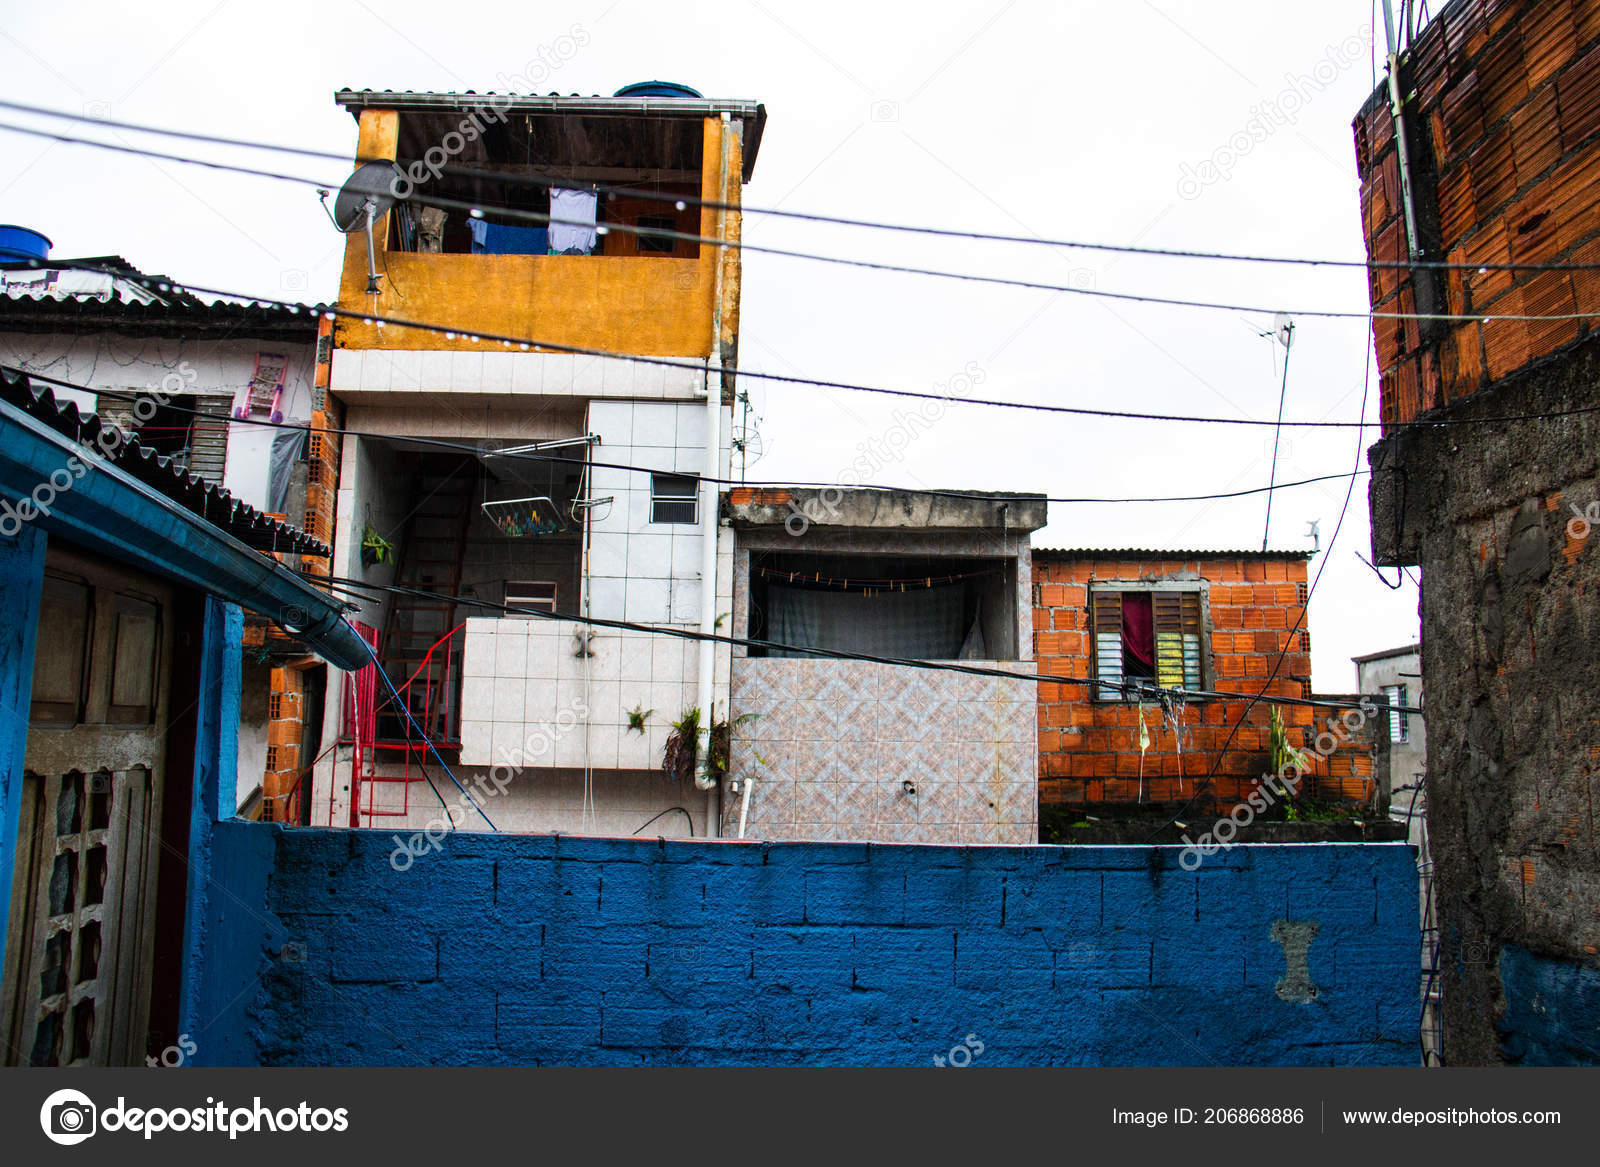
868	586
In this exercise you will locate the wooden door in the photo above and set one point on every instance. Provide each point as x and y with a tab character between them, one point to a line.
79	957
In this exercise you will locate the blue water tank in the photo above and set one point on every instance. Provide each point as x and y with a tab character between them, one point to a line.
656	89
22	244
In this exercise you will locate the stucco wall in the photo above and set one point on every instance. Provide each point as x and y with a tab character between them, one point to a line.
529	950
137	365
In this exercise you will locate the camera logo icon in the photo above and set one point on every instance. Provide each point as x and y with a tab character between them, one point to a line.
68	1117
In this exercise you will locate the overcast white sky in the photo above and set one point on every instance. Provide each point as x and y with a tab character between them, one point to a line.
1060	120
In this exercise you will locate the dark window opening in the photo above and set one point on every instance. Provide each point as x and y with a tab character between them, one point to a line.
673	498
621	173
653	235
906	607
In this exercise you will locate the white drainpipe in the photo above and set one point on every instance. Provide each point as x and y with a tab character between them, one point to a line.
707	778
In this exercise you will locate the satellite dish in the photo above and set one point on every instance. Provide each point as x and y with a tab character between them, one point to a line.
366	194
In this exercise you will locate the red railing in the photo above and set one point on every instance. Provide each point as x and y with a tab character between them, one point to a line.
435	713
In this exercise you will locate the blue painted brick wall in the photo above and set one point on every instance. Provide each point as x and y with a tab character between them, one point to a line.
1552	1015
540	950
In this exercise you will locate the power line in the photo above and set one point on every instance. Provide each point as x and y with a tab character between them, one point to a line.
405	708
456	170
1126	686
706	367
843	261
1305	610
467	448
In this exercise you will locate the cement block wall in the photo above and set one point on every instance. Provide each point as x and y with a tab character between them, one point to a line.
536	949
1509	628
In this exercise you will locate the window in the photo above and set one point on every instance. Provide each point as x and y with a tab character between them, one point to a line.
537	594
651	239
673	498
1150	634
1399	727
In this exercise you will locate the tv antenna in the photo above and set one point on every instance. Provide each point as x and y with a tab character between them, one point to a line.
366	194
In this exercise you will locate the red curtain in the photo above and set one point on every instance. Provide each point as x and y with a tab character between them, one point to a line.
1138	627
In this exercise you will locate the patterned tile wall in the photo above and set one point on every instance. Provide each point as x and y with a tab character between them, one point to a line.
831	745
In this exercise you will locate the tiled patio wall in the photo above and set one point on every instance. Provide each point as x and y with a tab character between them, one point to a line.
830	746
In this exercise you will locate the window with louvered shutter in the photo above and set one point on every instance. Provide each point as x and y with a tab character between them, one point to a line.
1177	625
1178	634
117	413
208	437
1108	643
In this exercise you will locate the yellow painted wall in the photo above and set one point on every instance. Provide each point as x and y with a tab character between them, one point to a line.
651	305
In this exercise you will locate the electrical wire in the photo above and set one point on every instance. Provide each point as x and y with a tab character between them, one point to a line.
705	367
457	170
468	448
426	740
1288	639
844	261
1134	688
668	811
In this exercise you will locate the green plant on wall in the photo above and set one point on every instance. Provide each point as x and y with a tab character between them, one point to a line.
636	718
677	760
1282	756
374	547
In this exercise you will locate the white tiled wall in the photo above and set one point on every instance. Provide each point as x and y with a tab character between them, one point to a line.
527	688
639	570
359	371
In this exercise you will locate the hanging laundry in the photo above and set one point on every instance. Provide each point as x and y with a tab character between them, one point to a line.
574	233
501	239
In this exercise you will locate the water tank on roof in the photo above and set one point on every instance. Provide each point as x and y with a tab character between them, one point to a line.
22	244
656	89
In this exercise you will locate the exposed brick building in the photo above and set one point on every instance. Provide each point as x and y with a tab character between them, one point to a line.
1501	121
1215	621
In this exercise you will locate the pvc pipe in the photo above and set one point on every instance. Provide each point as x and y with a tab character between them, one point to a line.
707	778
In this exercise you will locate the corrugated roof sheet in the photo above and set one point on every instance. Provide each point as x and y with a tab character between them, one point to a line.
230	318
210	502
752	113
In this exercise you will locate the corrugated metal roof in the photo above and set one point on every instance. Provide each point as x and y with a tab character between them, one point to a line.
752	113
210	502
96	278
1162	553
188	318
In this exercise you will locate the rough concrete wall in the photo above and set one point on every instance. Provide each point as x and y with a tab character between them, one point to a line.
518	950
1509	627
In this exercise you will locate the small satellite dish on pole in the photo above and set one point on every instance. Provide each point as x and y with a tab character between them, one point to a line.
366	194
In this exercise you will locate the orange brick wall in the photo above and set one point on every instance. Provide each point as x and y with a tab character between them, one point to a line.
285	713
1089	750
1506	169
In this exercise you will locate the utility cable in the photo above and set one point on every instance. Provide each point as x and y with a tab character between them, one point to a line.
705	367
534	456
1135	688
1288	639
845	261
426	740
545	182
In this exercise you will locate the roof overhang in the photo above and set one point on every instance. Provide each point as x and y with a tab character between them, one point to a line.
866	509
105	509
597	132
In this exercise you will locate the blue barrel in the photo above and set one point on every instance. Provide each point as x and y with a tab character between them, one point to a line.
656	89
21	244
